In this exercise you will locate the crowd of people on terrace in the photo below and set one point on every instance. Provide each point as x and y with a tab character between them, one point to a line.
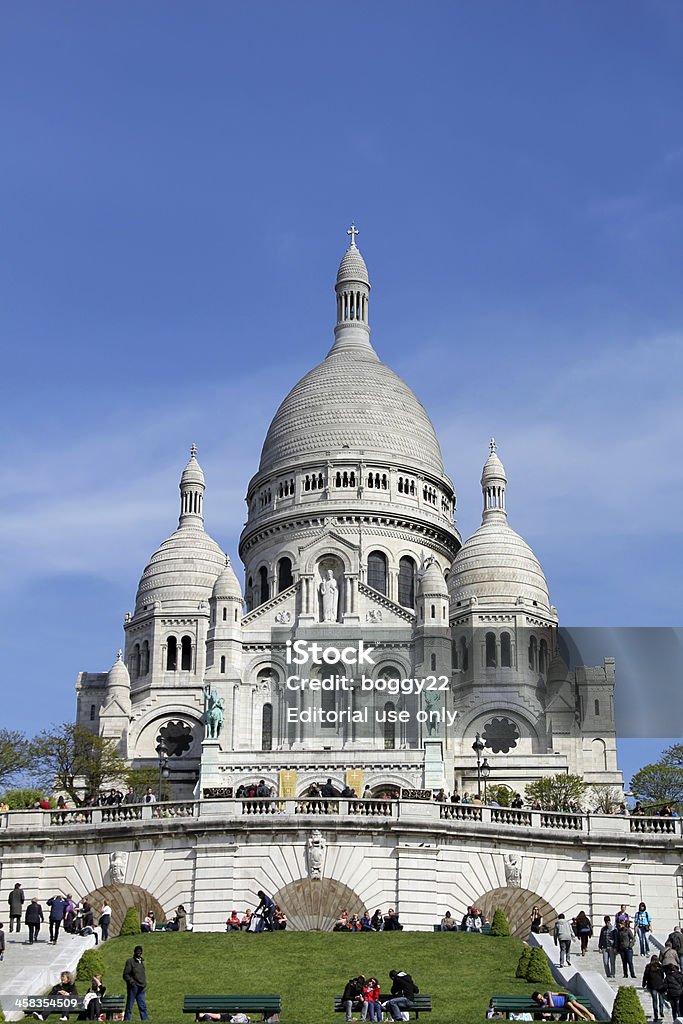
64	914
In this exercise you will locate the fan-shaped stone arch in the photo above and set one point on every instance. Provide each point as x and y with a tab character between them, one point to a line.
121	898
315	904
517	905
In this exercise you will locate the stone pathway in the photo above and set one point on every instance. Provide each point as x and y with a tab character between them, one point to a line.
592	961
32	970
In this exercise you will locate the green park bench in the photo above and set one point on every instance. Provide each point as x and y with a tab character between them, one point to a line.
252	1004
421	1004
110	1006
525	1004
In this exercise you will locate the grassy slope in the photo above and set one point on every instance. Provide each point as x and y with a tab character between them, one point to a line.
459	971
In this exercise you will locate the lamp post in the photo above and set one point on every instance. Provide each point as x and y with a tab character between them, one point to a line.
485	772
477	747
164	771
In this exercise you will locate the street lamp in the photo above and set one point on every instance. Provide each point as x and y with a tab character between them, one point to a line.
164	770
477	747
485	772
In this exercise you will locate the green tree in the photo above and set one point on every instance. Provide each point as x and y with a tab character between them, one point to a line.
657	784
501	794
523	963
538	971
90	964
556	792
673	756
499	925
140	779
77	761
627	1008
15	754
21	799
131	923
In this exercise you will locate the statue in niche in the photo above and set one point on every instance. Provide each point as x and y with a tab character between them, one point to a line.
118	862
315	853
432	704
213	713
513	870
329	592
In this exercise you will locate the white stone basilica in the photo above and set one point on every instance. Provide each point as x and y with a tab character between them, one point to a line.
350	537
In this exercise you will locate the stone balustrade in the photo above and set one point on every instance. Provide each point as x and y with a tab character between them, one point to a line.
341	809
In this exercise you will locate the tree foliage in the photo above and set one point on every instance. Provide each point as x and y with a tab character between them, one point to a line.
500	925
659	783
15	754
131	923
556	792
22	799
627	1008
538	971
90	964
523	963
673	756
605	799
77	762
140	779
501	794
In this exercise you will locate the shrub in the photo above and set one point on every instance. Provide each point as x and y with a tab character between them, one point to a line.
538	970
131	923
627	1008
523	963
23	799
91	963
499	925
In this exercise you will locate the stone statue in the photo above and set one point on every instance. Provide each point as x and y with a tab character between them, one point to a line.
432	703
330	596
315	853
513	870
213	713
118	862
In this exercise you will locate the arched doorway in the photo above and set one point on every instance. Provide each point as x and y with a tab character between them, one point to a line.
517	905
315	904
120	898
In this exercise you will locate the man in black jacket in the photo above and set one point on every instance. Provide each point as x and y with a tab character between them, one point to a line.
136	984
15	900
34	918
403	992
352	997
674	990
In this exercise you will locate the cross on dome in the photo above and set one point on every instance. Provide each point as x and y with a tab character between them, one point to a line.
119	656
492	445
193	451
353	231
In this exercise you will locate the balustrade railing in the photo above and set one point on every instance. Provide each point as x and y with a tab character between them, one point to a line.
461	812
657	826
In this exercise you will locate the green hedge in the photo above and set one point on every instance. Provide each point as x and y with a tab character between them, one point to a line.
627	1008
91	963
523	963
131	923
538	970
499	925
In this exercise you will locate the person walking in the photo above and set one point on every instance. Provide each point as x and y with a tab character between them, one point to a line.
654	981
136	984
643	923
625	941
674	990
57	905
16	902
563	938
606	941
668	957
2	941
105	920
676	940
33	918
583	930
403	992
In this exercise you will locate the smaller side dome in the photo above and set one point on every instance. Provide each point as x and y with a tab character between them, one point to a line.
227	584
118	673
432	582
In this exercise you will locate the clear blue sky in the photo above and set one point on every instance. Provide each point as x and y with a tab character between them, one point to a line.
177	182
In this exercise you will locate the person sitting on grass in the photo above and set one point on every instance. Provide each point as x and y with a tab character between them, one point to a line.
232	924
560	1000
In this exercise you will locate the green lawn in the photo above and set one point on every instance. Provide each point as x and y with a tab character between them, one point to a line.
307	969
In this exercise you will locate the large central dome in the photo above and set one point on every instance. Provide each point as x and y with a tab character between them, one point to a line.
352	400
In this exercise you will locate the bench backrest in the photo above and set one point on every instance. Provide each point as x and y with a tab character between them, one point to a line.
233	1003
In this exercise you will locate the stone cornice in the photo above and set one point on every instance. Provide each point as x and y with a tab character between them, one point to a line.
396	609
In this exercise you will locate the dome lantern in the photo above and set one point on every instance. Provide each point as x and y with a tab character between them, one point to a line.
353	293
493	484
192	489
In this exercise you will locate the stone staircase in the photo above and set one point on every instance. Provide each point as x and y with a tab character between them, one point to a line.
33	970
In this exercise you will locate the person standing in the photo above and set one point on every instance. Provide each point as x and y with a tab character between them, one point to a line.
563	939
654	980
136	984
625	941
583	929
105	920
606	941
643	923
16	901
57	905
2	942
33	918
403	992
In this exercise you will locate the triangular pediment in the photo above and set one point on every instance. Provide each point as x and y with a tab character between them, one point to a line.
376	609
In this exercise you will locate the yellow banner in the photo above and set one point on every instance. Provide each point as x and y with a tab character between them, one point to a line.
287	783
354	780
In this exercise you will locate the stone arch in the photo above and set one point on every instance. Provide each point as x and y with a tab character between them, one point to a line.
517	905
121	898
315	904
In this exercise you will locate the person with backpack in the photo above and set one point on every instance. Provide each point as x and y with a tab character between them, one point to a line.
674	990
583	929
676	940
643	924
654	981
403	992
606	945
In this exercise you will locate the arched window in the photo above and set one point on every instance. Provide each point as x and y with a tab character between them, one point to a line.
377	571
433	612
263	584
235	614
327	705
171	654
389	727
284	574
505	650
597	708
222	663
135	662
186	654
225	614
432	663
267	727
145	657
491	660
543	657
533	653
464	654
406	582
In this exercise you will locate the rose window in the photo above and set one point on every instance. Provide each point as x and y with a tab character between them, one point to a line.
500	735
